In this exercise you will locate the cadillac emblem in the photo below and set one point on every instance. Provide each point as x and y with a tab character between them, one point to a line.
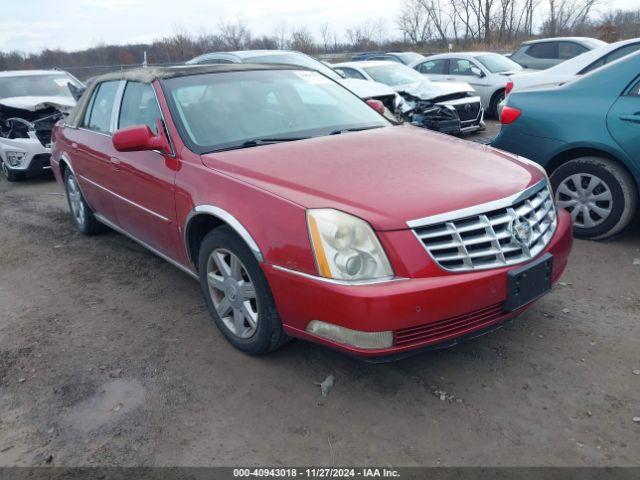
520	231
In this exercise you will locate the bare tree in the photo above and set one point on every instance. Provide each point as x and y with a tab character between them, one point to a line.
414	23
326	35
302	41
567	16
234	34
281	34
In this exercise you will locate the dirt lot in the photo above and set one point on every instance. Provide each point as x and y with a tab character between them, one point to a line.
108	357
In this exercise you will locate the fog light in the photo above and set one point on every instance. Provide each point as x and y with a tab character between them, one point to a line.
14	159
346	336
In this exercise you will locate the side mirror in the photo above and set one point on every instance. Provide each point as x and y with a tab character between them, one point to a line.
377	105
341	73
140	138
477	72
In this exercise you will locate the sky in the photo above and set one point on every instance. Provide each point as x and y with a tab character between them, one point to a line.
32	25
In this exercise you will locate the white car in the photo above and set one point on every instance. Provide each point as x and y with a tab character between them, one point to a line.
31	102
487	72
443	106
365	90
585	63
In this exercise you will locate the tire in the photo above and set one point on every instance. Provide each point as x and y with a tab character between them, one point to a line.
10	175
267	335
83	218
616	194
495	101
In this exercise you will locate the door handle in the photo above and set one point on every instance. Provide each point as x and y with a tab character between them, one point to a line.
633	118
115	162
450	78
74	145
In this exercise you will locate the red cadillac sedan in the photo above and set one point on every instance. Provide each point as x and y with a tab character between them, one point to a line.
304	213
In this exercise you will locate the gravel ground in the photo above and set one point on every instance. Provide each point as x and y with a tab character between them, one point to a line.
108	357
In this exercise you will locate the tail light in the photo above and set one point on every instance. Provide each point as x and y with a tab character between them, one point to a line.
508	88
509	115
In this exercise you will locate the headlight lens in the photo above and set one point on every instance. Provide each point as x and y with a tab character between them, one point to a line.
345	247
15	158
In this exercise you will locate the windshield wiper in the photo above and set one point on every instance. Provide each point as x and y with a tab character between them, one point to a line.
356	129
254	142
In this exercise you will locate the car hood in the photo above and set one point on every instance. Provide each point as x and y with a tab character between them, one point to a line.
33	104
365	89
386	176
433	90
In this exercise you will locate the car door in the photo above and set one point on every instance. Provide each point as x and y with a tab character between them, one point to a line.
435	69
466	70
91	150
623	122
145	190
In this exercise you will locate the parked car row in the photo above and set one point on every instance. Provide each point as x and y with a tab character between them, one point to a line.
306	212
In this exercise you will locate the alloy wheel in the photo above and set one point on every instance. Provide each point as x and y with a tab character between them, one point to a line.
587	198
233	293
75	200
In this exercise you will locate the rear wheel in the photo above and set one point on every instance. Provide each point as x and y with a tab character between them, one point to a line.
82	215
237	294
599	194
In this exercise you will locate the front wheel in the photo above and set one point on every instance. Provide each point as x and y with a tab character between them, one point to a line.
10	175
237	293
599	194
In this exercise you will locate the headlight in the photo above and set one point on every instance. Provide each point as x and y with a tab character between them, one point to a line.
345	247
15	158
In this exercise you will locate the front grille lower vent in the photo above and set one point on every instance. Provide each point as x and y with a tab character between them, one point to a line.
508	235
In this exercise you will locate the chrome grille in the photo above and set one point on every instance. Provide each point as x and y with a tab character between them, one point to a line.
495	235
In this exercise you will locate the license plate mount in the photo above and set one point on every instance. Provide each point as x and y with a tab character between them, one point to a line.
528	283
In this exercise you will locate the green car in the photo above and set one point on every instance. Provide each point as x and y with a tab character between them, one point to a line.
586	134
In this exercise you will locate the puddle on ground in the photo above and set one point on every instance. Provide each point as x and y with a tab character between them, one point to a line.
111	402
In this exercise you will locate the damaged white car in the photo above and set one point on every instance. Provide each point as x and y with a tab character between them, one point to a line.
447	107
31	102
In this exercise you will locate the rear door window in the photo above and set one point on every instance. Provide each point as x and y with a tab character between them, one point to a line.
568	50
98	115
139	106
460	66
543	50
434	67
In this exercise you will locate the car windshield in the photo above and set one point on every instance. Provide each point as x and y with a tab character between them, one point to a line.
498	63
297	59
394	74
409	57
226	110
48	85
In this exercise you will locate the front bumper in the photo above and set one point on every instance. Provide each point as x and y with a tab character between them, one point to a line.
36	157
421	312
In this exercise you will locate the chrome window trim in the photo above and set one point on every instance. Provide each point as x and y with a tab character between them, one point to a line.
477	209
151	212
355	283
173	262
230	220
117	103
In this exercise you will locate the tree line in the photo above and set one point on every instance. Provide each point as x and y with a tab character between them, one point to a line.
425	25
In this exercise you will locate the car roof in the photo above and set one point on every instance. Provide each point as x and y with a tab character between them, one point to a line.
243	54
150	74
365	63
460	54
564	39
29	73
